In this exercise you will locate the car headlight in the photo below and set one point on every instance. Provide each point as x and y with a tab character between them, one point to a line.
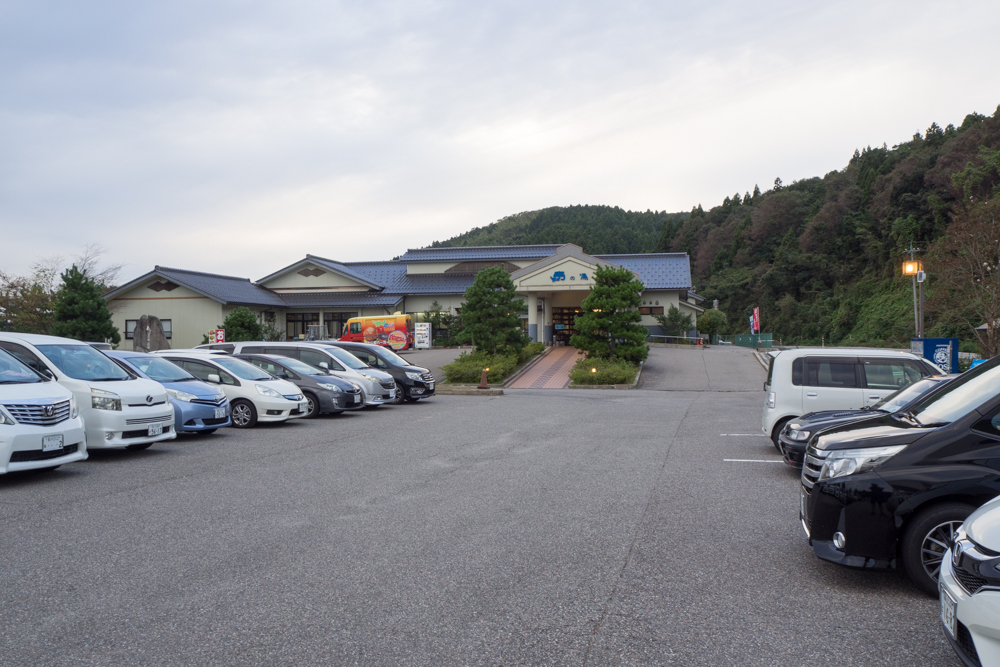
181	395
370	378
356	387
105	400
332	388
267	391
74	409
414	376
855	461
798	436
6	419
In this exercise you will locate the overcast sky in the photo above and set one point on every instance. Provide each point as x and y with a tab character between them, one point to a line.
235	137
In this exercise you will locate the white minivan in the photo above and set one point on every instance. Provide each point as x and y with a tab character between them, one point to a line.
40	424
376	386
814	379
119	408
254	394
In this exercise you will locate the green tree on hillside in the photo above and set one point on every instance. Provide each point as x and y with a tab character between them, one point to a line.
241	324
609	326
491	313
80	310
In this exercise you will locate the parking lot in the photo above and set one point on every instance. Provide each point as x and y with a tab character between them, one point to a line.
563	527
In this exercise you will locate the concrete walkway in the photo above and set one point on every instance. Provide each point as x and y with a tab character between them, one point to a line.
551	371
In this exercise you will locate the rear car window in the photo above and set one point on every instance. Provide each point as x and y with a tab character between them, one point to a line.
831	373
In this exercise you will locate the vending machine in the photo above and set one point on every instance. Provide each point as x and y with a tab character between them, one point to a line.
422	335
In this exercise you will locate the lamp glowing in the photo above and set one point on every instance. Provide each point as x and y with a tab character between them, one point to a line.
911	268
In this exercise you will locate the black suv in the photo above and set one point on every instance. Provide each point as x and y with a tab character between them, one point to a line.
893	490
412	382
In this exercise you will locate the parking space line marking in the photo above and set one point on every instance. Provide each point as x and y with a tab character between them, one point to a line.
748	435
751	461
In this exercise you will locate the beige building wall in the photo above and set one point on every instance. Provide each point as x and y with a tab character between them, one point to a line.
191	315
293	281
422	303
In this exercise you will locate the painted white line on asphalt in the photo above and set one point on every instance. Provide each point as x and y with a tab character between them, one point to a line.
751	461
747	435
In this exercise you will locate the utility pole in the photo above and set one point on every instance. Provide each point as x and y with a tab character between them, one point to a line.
915	270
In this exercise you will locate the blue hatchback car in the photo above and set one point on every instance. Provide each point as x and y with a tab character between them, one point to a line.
198	407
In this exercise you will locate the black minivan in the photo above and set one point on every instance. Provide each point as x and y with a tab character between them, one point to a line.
893	490
412	382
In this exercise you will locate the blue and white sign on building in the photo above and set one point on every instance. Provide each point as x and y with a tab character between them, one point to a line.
942	352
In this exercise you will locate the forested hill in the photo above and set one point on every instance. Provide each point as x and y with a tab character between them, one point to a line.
599	230
821	257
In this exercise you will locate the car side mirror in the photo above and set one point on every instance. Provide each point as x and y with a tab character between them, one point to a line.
282	374
214	379
325	366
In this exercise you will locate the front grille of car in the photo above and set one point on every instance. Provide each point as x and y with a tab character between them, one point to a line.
811	466
145	405
965	643
214	421
206	401
36	414
427	377
970	582
141	433
147	420
39	455
387	385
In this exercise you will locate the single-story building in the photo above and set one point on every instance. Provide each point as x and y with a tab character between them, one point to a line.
553	279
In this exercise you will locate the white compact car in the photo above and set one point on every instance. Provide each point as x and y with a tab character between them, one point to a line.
831	378
376	386
119	408
40	424
969	585
254	394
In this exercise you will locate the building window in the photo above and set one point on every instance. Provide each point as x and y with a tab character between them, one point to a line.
335	323
131	324
297	324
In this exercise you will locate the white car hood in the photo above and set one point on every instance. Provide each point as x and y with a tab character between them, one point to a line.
983	525
283	387
37	392
134	392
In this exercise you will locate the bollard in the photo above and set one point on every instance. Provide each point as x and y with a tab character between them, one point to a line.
482	380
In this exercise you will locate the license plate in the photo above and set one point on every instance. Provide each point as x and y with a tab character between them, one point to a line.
392	393
52	442
304	407
155	429
220	413
357	398
948	612
430	386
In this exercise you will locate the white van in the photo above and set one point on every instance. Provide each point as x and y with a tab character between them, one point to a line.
376	386
40	424
814	379
119	408
254	394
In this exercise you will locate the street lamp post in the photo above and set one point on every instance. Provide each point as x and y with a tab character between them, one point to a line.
915	269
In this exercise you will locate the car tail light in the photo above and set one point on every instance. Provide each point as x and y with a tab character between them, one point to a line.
770	400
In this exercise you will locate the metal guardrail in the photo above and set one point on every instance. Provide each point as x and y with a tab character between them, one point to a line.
755	341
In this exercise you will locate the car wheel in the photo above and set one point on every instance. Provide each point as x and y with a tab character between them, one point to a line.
312	402
144	445
927	538
400	395
776	431
244	414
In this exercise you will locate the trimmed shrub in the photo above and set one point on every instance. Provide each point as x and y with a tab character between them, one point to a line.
469	367
530	350
608	371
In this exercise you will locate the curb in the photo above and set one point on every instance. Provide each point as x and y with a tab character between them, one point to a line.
467	390
760	359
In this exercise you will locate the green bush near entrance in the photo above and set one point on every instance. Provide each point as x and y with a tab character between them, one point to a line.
468	368
608	371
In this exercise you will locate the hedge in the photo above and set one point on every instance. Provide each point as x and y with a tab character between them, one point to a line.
608	372
469	365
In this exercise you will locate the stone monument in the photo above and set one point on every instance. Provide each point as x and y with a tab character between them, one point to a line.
149	336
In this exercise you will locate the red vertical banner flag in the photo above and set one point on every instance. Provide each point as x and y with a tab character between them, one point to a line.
756	320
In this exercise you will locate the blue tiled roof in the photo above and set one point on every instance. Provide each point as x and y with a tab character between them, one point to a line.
227	289
393	277
340	300
479	253
658	270
341	268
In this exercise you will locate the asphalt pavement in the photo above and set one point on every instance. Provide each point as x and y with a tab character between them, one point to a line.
539	527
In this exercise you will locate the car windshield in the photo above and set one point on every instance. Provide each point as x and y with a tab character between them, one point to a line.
82	362
899	399
347	358
242	369
13	371
160	370
391	357
301	367
966	392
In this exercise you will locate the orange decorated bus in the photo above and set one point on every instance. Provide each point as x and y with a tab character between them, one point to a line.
393	331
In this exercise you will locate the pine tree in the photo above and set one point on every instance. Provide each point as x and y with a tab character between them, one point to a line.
81	312
490	313
609	326
756	191
675	323
241	324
